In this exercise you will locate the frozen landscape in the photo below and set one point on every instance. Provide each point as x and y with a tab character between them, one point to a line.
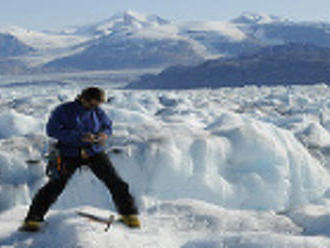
130	40
226	168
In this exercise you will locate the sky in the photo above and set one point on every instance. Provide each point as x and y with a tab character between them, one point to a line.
57	14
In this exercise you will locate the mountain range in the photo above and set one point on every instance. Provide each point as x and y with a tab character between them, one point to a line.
133	40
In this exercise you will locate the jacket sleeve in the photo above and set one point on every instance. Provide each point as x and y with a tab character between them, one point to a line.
57	129
106	123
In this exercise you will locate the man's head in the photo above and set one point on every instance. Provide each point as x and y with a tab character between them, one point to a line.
92	97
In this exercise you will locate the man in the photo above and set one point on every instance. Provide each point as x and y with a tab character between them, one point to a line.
81	128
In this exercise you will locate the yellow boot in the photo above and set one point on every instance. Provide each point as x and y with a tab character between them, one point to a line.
131	220
31	226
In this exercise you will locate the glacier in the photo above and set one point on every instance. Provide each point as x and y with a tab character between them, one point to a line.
232	167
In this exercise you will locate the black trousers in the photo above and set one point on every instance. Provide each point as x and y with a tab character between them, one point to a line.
103	169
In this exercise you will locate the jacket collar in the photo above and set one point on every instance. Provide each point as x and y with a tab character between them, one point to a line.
81	108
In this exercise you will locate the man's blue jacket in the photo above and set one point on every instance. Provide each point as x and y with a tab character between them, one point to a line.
69	121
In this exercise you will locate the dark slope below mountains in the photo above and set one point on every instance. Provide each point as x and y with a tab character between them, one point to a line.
278	65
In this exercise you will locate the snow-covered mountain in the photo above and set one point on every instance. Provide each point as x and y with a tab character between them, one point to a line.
11	50
130	39
39	47
281	31
124	40
43	40
110	53
257	18
10	46
127	20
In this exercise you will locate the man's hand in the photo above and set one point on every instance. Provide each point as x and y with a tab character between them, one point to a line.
88	137
101	138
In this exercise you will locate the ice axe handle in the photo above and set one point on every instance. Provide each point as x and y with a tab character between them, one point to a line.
111	220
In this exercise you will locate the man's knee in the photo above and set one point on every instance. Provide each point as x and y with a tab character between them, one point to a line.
55	186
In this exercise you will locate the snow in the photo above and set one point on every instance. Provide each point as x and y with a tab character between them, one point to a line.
13	123
204	37
184	223
121	22
232	167
168	31
257	18
48	45
43	40
226	29
209	39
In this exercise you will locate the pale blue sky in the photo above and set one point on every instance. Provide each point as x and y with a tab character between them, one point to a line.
43	14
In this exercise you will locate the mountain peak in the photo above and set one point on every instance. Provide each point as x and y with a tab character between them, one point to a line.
128	16
124	20
256	18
